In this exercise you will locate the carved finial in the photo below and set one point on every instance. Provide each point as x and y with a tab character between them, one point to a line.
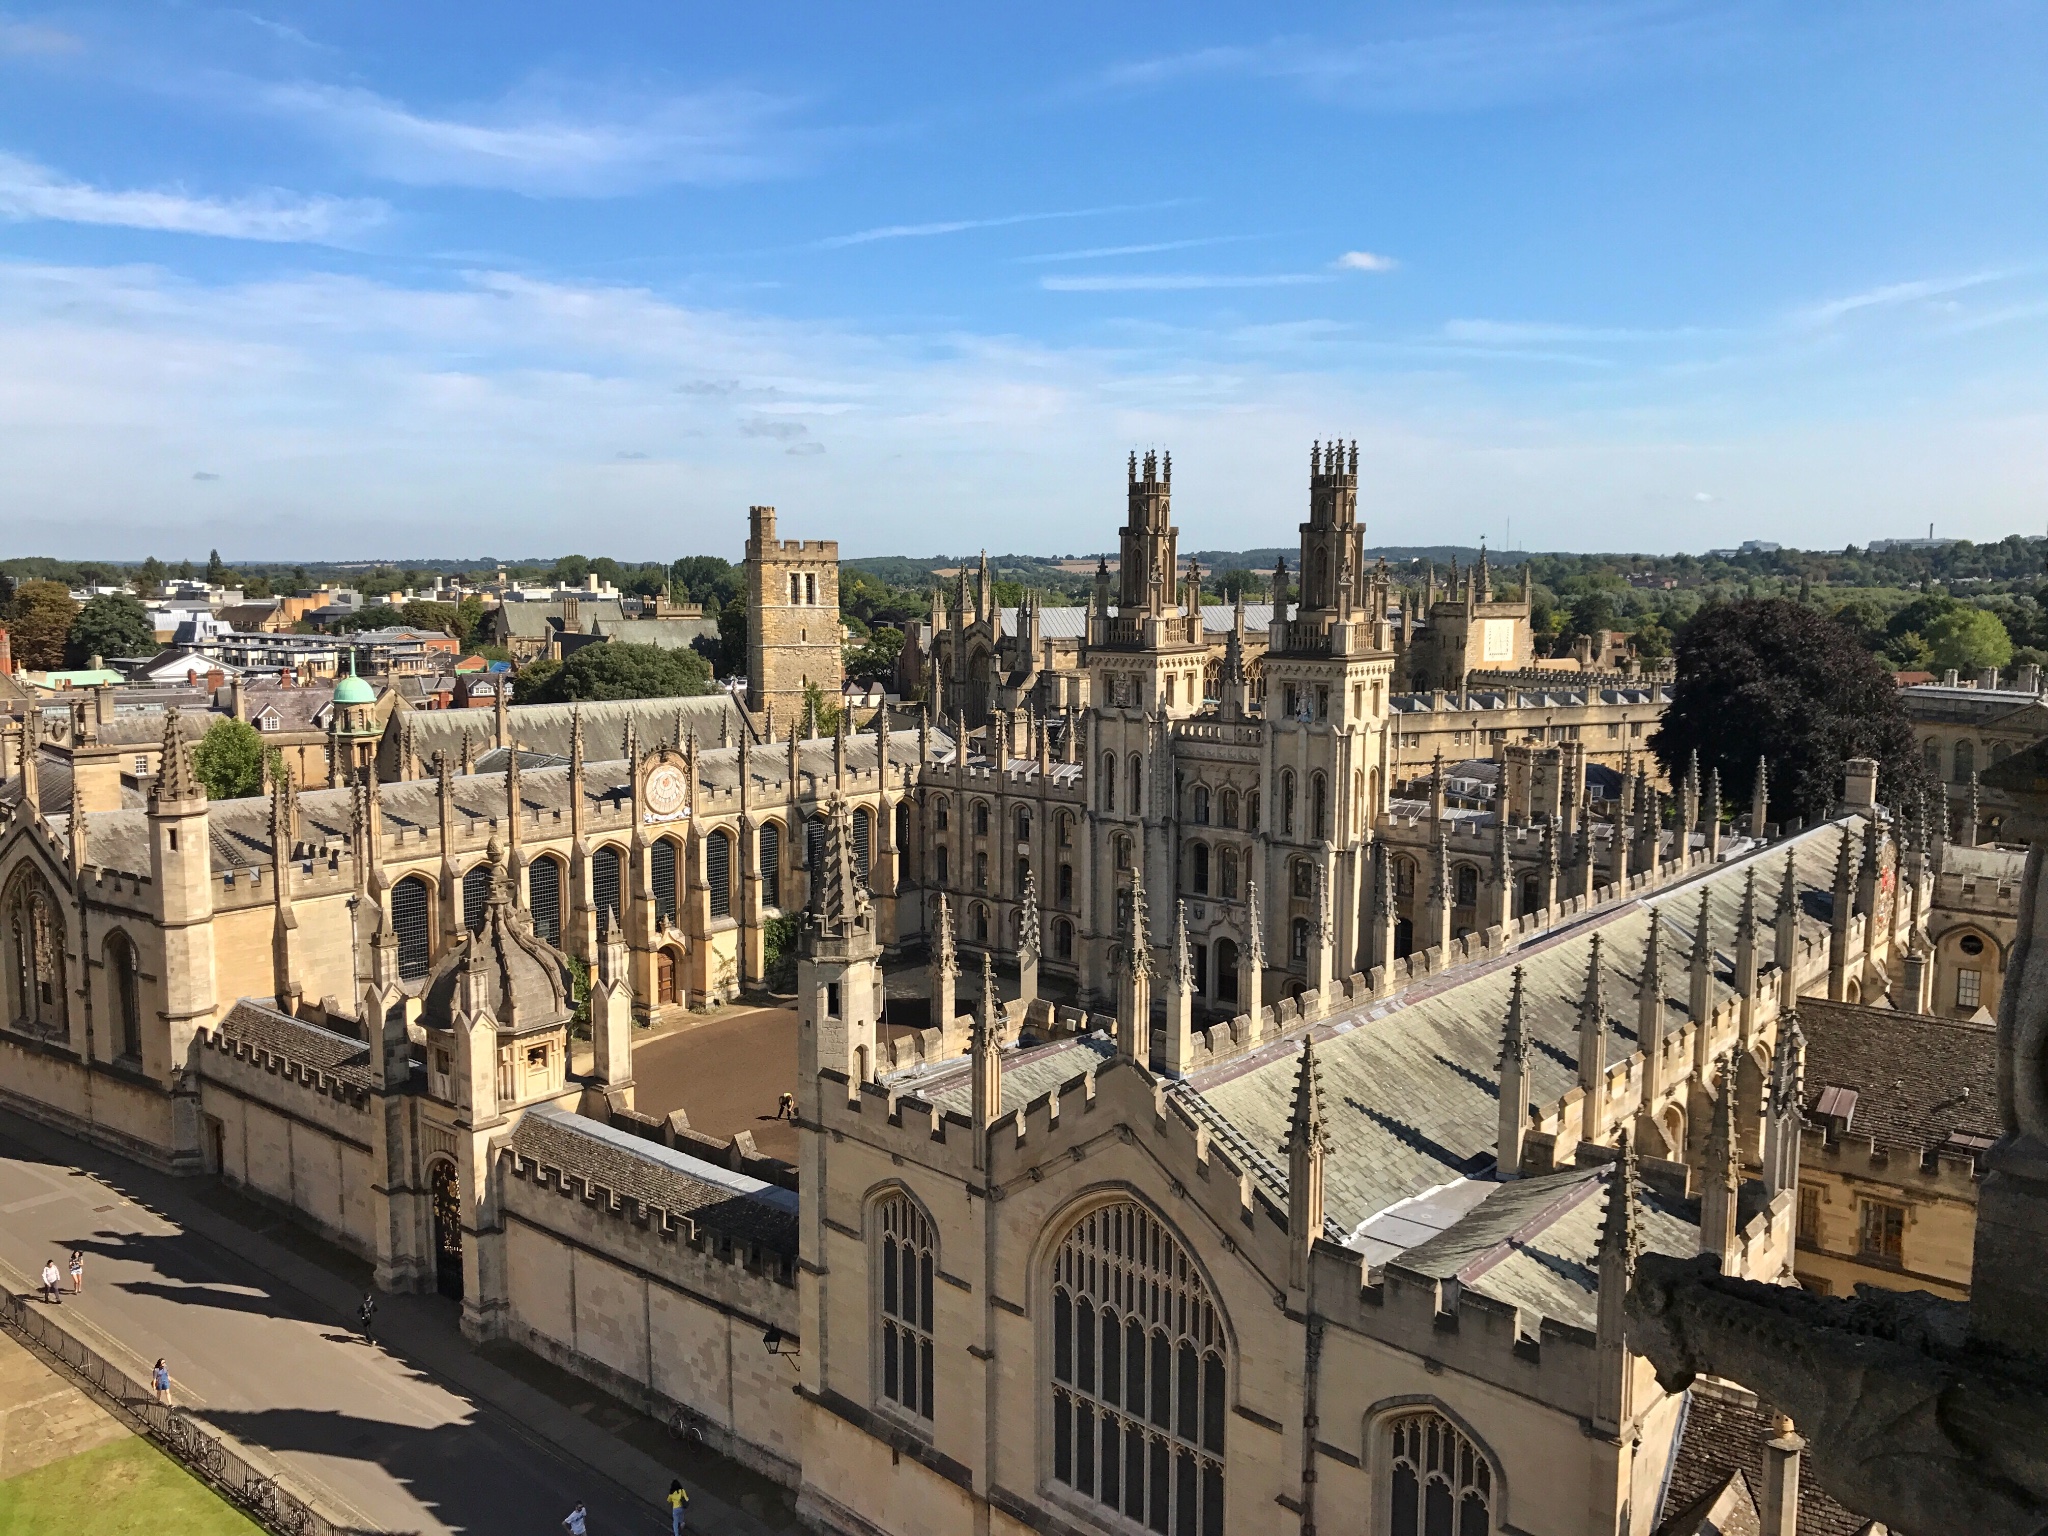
1307	1128
175	781
1621	1230
1183	959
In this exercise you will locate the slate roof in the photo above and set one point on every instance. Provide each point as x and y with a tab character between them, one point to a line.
1027	1073
669	634
1724	1431
309	1045
1409	1080
727	1202
545	727
1917	1079
532	621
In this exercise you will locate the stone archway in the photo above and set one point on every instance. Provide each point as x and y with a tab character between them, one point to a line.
445	1192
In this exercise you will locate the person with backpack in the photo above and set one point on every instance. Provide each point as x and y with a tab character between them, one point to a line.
678	1507
366	1315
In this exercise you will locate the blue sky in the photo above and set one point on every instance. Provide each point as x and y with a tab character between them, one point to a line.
351	280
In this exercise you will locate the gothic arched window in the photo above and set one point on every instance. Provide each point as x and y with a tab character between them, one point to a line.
981	818
543	899
1137	801
1966	761
1226	808
768	850
1467	883
1287	804
661	859
410	903
1319	806
476	895
1199	810
1139	1374
1063	940
1226	873
1439	1482
1109	781
121	970
1198	869
905	1258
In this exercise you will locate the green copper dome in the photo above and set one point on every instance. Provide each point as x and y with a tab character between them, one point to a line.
352	689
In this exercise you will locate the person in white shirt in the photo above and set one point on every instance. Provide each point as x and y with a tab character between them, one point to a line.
574	1522
50	1279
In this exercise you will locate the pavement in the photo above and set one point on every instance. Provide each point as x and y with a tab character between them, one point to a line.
725	1074
45	1416
418	1432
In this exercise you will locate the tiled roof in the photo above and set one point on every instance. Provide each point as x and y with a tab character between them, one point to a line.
1409	1081
1917	1079
628	1165
1724	1431
340	1056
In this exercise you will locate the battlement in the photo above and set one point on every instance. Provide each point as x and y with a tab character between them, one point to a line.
708	1240
804	549
1936	1171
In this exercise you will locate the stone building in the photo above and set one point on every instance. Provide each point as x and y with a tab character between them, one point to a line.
794	637
1308	1168
1963	731
1899	1110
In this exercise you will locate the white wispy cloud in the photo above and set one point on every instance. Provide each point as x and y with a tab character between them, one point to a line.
26	38
31	191
1176	282
1104	251
538	142
1518	332
1893	295
1468	58
1001	221
1365	261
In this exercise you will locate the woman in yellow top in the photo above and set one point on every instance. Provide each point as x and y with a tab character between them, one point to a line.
678	1502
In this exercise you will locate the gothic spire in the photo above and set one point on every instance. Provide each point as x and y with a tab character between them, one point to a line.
944	957
839	898
1307	1128
1183	959
1255	928
1027	917
176	783
1138	940
1621	1231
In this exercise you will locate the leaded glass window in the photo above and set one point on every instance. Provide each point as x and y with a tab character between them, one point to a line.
1441	1483
1139	1389
906	1258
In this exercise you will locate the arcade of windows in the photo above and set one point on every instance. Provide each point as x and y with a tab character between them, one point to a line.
905	1258
1439	1482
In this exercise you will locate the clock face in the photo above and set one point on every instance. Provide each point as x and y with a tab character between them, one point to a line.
666	790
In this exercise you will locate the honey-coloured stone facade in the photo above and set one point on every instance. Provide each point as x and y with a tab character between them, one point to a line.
793	630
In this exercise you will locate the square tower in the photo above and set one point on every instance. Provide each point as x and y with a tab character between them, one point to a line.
793	633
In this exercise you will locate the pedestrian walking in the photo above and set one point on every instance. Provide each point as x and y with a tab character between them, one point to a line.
160	1382
366	1314
50	1279
785	1107
575	1522
77	1273
678	1507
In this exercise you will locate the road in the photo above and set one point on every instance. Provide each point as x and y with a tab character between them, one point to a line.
417	1433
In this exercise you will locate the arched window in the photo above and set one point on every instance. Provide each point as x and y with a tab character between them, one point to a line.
34	928
1302	874
768	848
902	824
1404	879
1358	798
661	859
1532	894
476	895
1251	810
1439	1482
410	904
1024	824
981	818
1467	886
1139	1374
1121	846
718	873
905	1258
1319	806
1226	807
1966	761
1108	779
863	840
543	899
940	871
1930	757
815	833
606	867
1226	971
1287	804
1226	884
1199	808
1066	829
1137	800
126	987
941	812
980	923
1066	885
1198	869
1301	938
1023	873
1063	940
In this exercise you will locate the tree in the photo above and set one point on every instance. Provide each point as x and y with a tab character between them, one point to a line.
732	638
620	671
1592	612
216	569
110	626
149	576
876	658
423	615
229	760
39	621
820	709
469	613
1968	639
377	616
528	681
1767	678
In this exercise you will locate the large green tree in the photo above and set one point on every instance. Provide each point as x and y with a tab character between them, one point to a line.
618	671
110	625
229	760
1967	639
39	621
1767	678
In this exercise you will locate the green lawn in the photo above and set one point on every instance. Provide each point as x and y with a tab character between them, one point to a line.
129	1488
